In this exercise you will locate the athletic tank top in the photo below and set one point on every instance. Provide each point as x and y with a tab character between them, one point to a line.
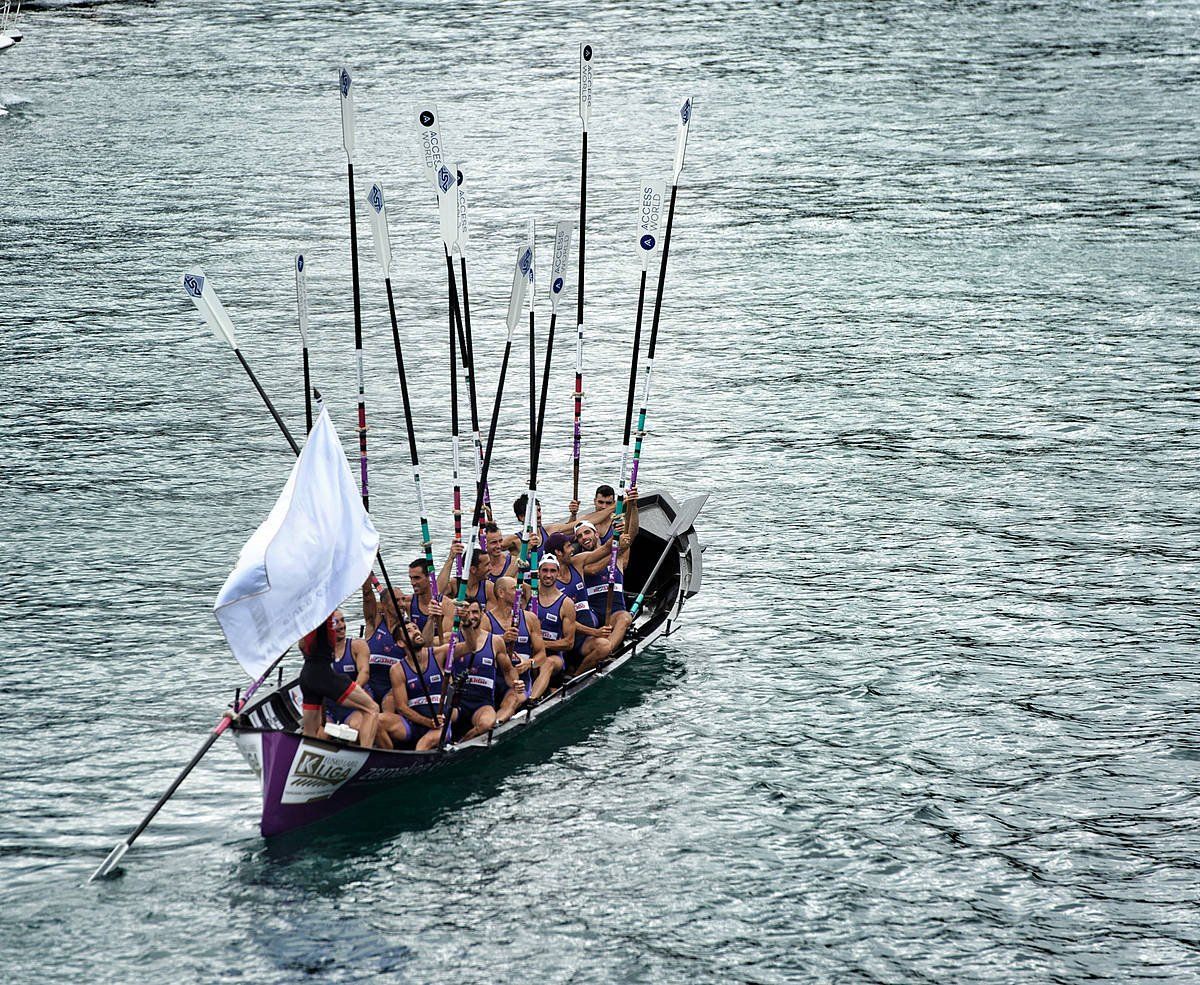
480	686
419	617
597	590
576	591
508	563
608	535
385	654
432	675
550	617
522	649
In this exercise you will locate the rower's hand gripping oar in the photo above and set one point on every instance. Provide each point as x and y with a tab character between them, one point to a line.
650	204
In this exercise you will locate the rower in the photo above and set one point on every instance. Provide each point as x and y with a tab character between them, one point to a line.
501	563
591	638
416	681
592	560
479	588
382	619
475	712
513	541
556	615
605	503
420	605
524	644
321	686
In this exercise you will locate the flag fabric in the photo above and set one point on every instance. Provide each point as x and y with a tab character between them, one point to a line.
314	549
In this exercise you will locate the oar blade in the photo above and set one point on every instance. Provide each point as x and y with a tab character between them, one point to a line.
520	284
106	867
586	73
197	287
429	140
531	243
649	219
561	263
302	299
462	216
685	120
379	228
346	88
446	179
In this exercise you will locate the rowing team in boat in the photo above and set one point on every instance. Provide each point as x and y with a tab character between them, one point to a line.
391	685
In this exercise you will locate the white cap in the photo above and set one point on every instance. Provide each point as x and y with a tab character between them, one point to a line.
585	523
547	560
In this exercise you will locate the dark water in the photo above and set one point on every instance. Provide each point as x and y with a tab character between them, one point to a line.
929	341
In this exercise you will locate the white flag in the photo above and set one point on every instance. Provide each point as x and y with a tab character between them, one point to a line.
314	549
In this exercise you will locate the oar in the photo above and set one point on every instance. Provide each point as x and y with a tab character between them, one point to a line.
383	250
531	291
465	340
520	281
685	119
200	291
585	116
683	520
558	281
649	215
118	853
302	310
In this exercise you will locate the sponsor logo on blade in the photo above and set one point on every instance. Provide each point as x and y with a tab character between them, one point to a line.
444	178
194	285
526	260
376	198
460	178
426	118
558	285
344	80
647	242
300	263
587	52
685	111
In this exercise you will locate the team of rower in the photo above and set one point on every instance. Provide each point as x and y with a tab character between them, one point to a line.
391	685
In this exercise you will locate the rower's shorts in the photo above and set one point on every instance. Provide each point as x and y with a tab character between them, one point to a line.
320	682
465	720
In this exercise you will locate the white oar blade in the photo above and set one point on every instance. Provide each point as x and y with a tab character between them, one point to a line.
110	863
447	197
205	299
519	285
585	85
429	140
561	263
379	228
462	215
531	242
346	87
302	299
649	219
685	119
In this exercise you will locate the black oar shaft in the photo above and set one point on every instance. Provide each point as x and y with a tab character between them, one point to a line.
633	362
577	436
307	394
267	400
662	275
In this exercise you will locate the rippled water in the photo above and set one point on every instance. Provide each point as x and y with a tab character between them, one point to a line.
929	342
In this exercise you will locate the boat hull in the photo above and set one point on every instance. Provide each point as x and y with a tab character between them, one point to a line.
306	780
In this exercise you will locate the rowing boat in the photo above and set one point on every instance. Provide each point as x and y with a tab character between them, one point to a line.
305	780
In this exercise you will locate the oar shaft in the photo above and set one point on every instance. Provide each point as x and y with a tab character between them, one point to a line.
307	395
578	428
267	400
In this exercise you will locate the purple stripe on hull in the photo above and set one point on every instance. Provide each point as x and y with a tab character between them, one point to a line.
305	781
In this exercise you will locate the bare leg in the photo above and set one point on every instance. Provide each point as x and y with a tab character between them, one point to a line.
483	720
397	728
595	651
620	623
553	664
312	721
360	701
431	738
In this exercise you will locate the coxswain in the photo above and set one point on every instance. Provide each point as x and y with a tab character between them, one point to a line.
322	686
481	657
525	646
592	560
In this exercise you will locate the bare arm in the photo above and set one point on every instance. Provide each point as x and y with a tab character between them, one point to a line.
537	645
370	606
362	660
504	662
400	697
